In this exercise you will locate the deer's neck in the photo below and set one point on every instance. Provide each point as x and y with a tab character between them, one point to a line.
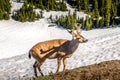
73	45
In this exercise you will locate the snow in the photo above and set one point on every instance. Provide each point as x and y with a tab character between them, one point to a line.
17	38
15	5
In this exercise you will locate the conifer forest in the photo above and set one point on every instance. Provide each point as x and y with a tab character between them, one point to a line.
101	13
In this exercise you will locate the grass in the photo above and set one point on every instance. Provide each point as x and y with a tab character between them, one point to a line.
47	77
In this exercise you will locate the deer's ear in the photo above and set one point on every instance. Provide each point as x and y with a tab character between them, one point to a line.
78	26
71	32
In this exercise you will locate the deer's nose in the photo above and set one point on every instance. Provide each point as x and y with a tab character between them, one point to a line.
86	40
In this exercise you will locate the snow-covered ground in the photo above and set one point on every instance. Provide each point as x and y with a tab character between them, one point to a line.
17	38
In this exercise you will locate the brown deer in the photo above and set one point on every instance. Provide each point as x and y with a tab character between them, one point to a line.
57	48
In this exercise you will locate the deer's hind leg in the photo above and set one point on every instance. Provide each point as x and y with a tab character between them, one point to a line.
39	65
35	68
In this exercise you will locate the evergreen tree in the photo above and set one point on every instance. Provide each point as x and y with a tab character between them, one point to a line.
38	16
41	5
118	10
85	5
6	16
1	14
58	22
83	23
68	21
63	6
51	18
91	22
101	7
88	23
48	6
79	5
41	14
101	22
5	9
97	23
96	12
107	12
113	13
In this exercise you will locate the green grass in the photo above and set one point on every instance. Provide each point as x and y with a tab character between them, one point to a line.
42	78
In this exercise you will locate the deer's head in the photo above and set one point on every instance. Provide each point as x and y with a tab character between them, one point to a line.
77	34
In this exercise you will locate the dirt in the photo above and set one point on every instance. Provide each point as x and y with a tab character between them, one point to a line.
108	70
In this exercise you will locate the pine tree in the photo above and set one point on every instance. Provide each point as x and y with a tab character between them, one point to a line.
113	23
107	12
68	20
113	13
58	22
41	14
83	23
102	5
118	10
90	23
1	14
63	6
87	23
96	12
85	5
51	19
5	9
75	14
74	22
101	22
38	16
79	5
48	6
6	16
97	23
41	5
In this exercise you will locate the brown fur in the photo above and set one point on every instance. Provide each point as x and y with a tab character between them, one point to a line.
57	48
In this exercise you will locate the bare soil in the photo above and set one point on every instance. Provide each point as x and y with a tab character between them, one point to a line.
108	70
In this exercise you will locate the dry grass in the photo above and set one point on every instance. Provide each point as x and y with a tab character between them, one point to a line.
109	70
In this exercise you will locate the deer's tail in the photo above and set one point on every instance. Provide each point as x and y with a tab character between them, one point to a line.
29	55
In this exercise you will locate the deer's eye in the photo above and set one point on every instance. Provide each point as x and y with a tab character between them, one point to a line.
77	38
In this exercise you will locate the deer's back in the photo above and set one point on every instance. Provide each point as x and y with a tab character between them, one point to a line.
46	45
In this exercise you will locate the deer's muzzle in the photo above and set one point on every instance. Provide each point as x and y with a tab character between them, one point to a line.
86	40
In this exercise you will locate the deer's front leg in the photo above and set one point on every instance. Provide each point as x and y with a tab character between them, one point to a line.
64	64
59	63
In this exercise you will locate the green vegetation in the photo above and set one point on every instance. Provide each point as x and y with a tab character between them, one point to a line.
103	12
42	78
27	13
5	10
66	21
48	5
70	21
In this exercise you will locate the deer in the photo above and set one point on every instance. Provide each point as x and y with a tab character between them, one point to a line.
59	49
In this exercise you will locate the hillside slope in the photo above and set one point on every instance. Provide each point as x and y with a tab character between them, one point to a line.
109	70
